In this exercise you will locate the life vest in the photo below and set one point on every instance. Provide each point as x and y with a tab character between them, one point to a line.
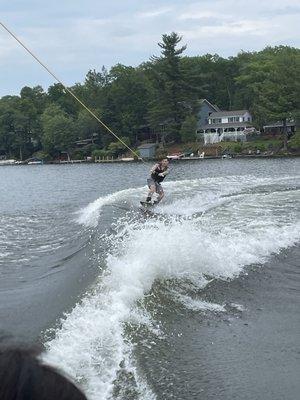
155	175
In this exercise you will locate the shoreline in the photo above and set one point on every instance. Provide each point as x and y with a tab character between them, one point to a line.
183	159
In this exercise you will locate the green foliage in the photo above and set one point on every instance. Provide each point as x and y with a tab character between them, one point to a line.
237	148
118	148
263	147
126	100
101	154
272	79
86	125
261	144
294	143
77	155
41	155
59	130
168	106
159	98
188	129
17	126
161	153
57	95
88	149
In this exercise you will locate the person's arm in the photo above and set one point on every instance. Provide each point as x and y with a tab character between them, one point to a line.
165	172
154	168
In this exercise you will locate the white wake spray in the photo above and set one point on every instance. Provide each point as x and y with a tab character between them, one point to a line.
240	226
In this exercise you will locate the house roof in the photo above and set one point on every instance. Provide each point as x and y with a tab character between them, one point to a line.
147	146
216	108
84	141
226	125
232	113
279	125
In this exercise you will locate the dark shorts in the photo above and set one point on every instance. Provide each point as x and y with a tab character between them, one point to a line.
158	187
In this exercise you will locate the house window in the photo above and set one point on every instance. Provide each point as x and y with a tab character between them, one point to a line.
237	119
249	119
229	129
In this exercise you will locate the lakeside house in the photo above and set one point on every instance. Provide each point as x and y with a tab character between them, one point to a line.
276	129
215	125
84	142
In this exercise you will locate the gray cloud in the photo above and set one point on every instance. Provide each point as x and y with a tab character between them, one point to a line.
74	36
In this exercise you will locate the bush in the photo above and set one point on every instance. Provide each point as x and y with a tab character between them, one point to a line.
237	148
294	143
188	129
161	153
88	149
262	147
118	148
101	154
133	155
42	155
77	155
191	147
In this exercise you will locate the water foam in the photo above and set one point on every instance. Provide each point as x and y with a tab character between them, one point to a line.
199	305
89	215
92	344
188	196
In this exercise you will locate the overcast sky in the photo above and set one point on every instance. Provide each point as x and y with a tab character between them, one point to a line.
73	36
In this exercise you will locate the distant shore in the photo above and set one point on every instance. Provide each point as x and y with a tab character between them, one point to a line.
126	160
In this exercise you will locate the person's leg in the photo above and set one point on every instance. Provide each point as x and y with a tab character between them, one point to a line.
152	189
150	193
160	192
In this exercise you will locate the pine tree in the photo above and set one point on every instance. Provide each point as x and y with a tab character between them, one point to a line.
188	129
167	108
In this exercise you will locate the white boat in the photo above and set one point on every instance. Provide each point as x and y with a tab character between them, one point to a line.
127	159
37	162
175	156
7	162
226	156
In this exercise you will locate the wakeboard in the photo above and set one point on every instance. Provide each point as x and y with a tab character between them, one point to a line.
147	208
150	209
147	205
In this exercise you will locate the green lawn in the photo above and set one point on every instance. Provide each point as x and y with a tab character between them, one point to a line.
260	144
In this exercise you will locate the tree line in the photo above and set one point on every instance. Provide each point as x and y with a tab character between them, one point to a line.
159	96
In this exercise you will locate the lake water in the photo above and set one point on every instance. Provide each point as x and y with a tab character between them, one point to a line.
101	283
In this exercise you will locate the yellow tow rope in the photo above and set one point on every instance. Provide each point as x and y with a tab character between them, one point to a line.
71	93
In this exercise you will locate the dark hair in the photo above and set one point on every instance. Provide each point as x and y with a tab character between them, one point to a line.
24	377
